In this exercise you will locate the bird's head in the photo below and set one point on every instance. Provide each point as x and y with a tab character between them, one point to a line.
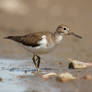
65	30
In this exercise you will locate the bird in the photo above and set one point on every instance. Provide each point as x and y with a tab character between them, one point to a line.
42	42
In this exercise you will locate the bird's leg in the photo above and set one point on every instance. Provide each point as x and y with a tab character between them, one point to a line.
38	63
34	61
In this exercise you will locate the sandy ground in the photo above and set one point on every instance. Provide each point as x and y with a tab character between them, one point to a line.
45	15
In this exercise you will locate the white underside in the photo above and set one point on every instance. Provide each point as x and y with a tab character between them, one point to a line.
39	50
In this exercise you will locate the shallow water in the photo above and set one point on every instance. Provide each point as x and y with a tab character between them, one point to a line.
15	75
16	67
8	72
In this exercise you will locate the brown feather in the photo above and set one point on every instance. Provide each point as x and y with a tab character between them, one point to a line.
31	39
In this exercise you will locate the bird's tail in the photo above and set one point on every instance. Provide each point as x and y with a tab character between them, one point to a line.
15	38
9	37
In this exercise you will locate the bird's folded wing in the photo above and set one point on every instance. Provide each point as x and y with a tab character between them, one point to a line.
31	40
28	40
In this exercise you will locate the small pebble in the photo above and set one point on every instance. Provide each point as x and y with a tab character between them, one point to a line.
65	77
46	76
87	77
1	79
75	64
21	76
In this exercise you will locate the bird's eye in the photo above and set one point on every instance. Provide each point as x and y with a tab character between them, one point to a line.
64	28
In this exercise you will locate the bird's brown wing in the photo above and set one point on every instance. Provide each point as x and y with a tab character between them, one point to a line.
31	39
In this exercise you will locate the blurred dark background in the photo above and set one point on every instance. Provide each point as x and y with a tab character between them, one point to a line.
18	17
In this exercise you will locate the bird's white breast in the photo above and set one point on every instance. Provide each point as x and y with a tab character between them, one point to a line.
59	38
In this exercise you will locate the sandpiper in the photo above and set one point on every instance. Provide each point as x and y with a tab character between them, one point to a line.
42	42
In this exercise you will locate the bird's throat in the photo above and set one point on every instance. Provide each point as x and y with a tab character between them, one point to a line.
58	37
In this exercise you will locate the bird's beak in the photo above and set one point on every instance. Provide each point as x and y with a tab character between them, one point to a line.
74	34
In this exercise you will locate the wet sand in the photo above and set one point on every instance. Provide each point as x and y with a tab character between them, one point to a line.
42	16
